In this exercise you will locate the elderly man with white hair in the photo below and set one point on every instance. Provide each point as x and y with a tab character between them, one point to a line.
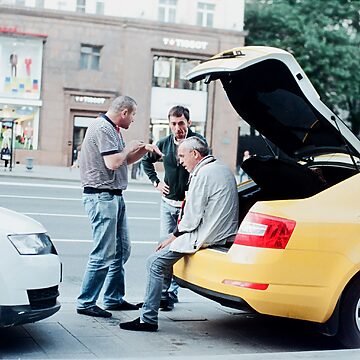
210	216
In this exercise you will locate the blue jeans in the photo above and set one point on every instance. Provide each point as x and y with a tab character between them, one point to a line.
243	176
110	252
159	265
168	220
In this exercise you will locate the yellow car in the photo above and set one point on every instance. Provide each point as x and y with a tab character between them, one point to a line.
297	250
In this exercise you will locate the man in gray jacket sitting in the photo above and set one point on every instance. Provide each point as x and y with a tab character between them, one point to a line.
210	216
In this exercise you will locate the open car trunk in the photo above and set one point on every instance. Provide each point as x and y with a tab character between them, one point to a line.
283	179
279	179
270	91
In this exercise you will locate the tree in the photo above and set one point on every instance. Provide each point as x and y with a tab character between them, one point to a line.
324	37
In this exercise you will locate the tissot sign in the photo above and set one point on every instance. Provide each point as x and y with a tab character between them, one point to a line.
90	100
185	43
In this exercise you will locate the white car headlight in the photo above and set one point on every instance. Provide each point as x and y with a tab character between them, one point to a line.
32	244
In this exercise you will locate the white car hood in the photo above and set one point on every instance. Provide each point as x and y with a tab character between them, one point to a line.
12	222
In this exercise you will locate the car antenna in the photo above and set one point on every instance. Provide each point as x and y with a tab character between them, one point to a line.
346	145
268	146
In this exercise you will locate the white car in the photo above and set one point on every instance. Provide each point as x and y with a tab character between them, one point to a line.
30	270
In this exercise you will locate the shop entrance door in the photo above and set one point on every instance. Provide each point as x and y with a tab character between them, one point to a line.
81	124
7	143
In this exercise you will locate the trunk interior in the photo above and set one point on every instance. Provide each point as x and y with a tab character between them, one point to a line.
280	179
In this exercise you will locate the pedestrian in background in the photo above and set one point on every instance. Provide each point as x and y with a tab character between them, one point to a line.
136	170
172	188
5	155
243	176
210	216
104	176
76	157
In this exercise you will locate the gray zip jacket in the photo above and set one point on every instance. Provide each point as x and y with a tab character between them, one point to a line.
211	207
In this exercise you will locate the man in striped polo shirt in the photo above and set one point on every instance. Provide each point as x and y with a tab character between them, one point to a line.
104	176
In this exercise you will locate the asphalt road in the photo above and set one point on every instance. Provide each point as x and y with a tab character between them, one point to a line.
197	325
59	208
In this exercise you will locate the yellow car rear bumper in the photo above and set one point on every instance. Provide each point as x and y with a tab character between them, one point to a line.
288	290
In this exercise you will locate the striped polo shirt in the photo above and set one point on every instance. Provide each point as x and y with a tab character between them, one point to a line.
102	139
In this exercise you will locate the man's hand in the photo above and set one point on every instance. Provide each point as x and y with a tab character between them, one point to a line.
154	149
136	149
135	145
163	188
166	242
114	161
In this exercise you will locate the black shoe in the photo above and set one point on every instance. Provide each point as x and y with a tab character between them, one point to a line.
174	298
122	307
94	311
166	305
136	325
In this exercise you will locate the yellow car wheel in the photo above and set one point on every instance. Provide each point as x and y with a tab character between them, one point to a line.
349	326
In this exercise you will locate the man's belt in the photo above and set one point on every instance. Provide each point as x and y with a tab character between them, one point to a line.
92	190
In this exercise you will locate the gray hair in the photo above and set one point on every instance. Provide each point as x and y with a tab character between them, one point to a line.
122	102
195	143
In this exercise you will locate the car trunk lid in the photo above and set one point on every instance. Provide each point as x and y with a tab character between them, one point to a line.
270	91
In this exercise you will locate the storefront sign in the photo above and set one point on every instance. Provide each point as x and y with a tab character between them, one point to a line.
14	30
186	44
90	100
8	29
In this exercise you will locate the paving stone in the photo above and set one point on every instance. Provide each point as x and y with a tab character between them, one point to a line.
53	338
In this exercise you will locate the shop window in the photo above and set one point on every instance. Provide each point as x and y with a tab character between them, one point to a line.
19	126
169	88
170	72
81	6
167	10
90	57
100	7
20	2
205	14
20	67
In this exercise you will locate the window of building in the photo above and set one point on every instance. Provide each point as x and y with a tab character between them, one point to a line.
170	72
61	5
90	57
80	6
205	14
169	88
20	2
39	3
167	10
100	7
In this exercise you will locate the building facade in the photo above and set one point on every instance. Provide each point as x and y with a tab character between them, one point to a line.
62	65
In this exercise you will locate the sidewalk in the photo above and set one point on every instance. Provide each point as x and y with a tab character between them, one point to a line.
187	333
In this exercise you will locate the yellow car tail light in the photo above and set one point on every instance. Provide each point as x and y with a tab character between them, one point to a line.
266	231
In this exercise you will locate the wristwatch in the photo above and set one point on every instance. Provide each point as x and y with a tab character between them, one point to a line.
156	183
